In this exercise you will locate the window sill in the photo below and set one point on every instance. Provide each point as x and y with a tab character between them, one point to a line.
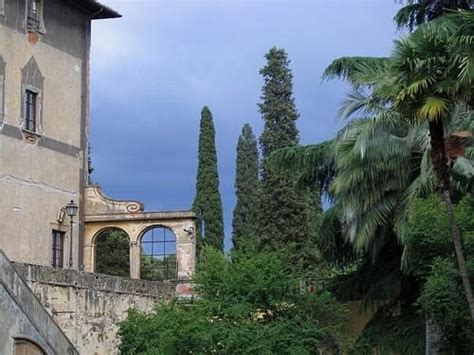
40	31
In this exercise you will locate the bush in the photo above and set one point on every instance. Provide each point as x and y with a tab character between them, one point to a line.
443	300
248	304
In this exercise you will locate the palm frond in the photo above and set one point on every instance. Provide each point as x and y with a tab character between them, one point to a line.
359	71
314	164
434	108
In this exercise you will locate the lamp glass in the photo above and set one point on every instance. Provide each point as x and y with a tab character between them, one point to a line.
71	209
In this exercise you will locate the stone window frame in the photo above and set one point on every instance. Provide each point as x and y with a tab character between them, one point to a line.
39	110
41	27
32	80
58	226
3	65
31	97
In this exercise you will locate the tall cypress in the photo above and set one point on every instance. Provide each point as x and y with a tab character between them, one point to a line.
278	106
207	203
246	188
283	210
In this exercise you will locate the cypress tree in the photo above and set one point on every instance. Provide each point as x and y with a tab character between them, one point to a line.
278	105
246	188
207	203
283	210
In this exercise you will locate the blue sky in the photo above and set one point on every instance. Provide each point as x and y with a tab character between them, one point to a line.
153	70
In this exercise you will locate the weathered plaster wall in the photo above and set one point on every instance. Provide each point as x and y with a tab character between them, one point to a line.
88	306
22	316
37	179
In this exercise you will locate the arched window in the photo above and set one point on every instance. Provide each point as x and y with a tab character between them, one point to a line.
112	253
158	255
27	347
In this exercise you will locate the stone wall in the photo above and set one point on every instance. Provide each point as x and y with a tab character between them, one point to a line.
88	306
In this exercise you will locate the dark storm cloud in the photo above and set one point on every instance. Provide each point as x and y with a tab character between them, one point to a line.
154	69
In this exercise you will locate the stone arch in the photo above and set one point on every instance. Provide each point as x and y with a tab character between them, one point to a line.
158	244
104	229
111	251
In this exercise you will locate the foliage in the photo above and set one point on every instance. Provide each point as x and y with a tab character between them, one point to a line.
335	249
244	221
442	299
207	203
373	279
383	160
388	334
427	235
113	253
249	304
314	164
377	162
417	12
428	74
278	107
155	269
430	257
285	211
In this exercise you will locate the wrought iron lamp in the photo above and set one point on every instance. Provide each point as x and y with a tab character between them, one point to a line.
71	211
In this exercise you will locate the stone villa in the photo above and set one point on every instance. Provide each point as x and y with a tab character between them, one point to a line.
51	302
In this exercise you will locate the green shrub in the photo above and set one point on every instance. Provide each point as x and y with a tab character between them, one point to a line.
248	304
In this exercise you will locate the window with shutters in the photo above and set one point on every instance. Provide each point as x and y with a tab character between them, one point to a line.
31	110
57	249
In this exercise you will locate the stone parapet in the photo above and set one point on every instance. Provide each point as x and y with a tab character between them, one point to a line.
88	307
92	281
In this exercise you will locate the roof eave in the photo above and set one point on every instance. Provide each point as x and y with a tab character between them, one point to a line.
105	13
97	10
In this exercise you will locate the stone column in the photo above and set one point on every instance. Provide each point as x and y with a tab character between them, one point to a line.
185	252
89	252
134	260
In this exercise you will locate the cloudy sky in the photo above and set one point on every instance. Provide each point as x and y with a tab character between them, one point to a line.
155	68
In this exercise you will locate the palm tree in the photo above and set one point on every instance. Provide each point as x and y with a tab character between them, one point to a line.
378	166
430	76
429	73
